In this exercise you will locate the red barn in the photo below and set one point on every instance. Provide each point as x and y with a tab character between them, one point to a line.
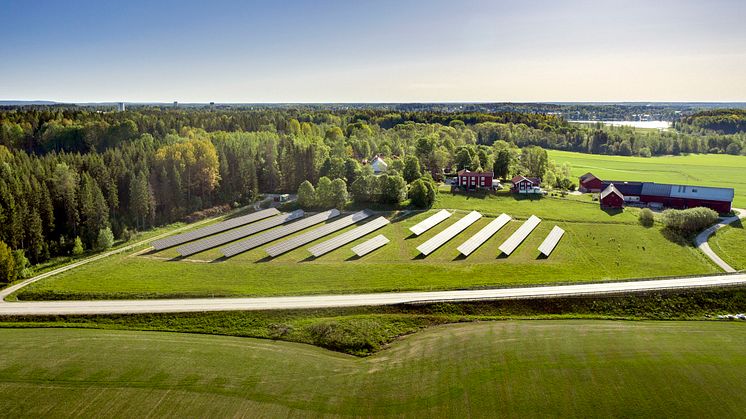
611	197
475	180
590	183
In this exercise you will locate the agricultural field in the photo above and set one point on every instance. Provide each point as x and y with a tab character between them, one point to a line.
557	368
730	244
597	246
696	169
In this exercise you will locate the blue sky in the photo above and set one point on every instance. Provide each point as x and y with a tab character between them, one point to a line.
373	51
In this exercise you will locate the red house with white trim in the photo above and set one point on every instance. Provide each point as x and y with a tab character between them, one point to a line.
523	184
590	183
611	197
475	180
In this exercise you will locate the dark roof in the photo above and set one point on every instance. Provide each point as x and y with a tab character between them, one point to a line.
656	189
609	190
533	180
588	176
626	188
463	172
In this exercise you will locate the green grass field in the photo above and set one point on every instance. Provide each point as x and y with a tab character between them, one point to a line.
697	169
730	244
497	369
597	246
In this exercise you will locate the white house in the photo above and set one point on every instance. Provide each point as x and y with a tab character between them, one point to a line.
378	165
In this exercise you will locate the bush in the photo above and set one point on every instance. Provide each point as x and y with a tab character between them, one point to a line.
645	152
105	239
689	221
422	193
77	247
7	264
647	218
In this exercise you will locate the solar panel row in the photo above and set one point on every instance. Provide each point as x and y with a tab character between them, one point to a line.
449	233
212	229
364	248
429	222
298	241
547	246
241	232
347	237
273	235
483	235
520	235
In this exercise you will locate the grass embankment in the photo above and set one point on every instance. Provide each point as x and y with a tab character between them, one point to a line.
695	169
730	244
597	246
503	369
365	330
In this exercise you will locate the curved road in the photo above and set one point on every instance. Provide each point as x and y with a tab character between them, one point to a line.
701	240
350	300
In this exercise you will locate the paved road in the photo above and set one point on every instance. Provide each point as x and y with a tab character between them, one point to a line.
350	300
701	240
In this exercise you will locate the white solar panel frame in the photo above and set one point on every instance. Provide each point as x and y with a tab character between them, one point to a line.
238	233
429	222
364	248
220	227
273	235
325	230
547	246
519	235
347	237
483	235
450	232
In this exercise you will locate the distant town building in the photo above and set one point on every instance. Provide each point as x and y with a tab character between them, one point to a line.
121	107
176	104
378	165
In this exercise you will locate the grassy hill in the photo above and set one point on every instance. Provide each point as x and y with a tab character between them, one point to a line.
506	369
729	243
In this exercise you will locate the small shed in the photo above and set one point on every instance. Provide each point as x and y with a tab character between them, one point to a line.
611	197
590	183
378	165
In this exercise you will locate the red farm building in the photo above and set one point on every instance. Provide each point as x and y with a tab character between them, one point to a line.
475	180
590	183
611	197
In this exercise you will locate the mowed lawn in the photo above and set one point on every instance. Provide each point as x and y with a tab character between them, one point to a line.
730	244
696	169
496	369
597	246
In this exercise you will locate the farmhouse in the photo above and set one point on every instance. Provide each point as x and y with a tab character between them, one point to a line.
667	195
523	184
611	197
475	180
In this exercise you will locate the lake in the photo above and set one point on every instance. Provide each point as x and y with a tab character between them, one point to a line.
636	124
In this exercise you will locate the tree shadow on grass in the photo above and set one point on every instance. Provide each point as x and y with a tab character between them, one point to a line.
676	237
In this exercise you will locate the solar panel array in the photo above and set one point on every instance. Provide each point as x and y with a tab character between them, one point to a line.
347	237
212	229
483	235
449	233
273	235
298	241
520	235
364	248
554	236
221	239
429	222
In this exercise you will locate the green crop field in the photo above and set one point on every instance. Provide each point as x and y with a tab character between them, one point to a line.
597	246
498	369
730	244
697	169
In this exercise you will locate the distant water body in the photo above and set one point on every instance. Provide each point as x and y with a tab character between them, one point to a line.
636	124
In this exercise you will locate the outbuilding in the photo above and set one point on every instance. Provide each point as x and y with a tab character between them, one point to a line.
378	165
611	197
590	183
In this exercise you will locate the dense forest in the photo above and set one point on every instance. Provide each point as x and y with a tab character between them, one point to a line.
78	178
724	121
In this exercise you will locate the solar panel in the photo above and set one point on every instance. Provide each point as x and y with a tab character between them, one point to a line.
347	237
241	232
298	241
364	248
554	236
449	233
483	235
520	235
212	229
273	235
429	222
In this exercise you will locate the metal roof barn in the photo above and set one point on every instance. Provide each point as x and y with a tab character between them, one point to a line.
325	230
241	232
347	237
449	233
273	235
483	235
520	235
212	229
547	246
364	248
429	222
